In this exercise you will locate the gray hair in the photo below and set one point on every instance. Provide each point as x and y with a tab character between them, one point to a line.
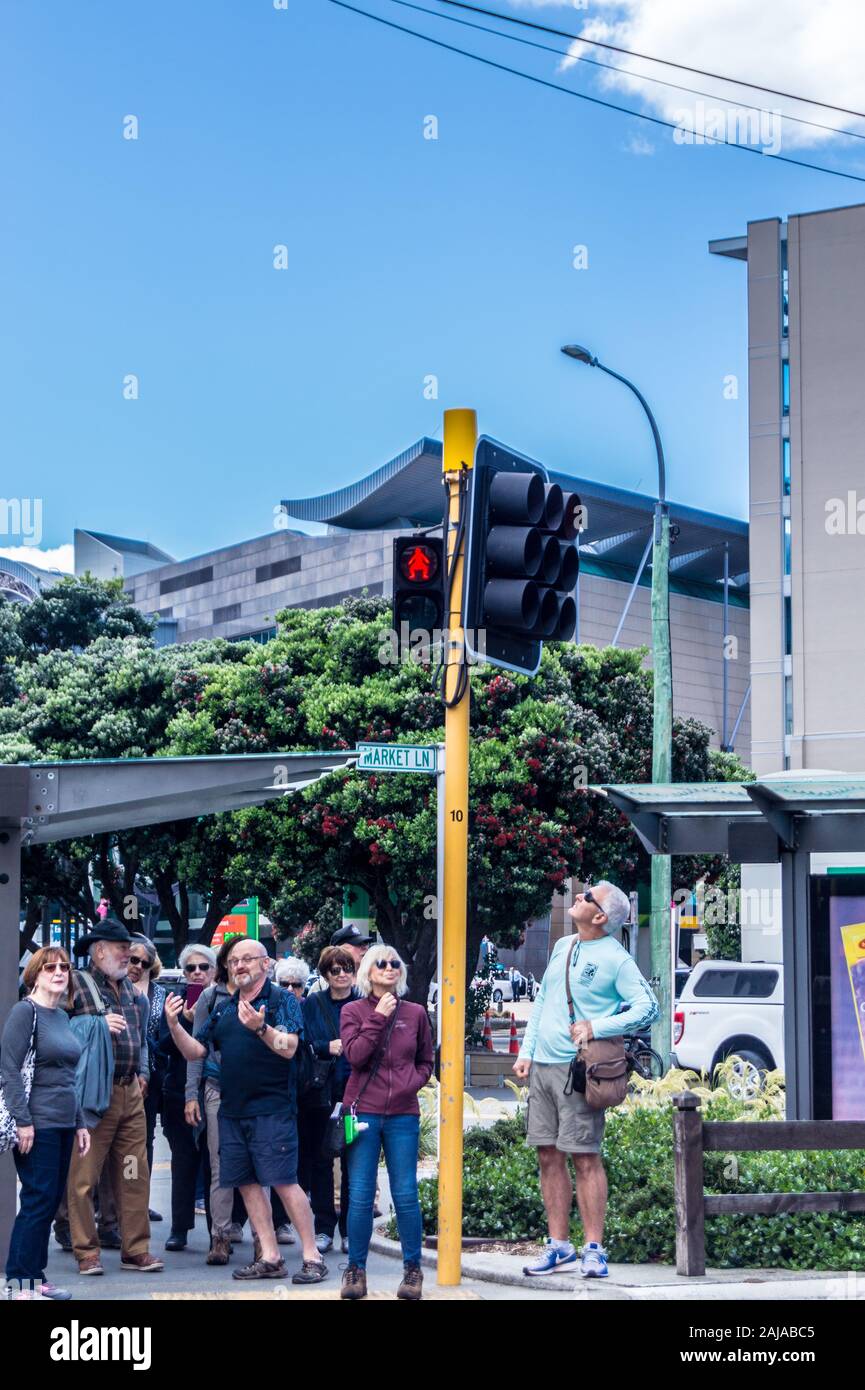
292	971
141	940
364	983
616	905
192	950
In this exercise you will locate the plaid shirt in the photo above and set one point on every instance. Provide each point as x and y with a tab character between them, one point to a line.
127	1045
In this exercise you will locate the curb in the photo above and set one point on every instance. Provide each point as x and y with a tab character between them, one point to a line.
834	1285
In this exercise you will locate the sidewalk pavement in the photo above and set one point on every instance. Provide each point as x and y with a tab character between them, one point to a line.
651	1282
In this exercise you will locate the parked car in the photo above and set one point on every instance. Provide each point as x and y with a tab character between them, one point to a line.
502	989
731	1008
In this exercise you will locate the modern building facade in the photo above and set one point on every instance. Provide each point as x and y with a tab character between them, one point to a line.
236	592
806	368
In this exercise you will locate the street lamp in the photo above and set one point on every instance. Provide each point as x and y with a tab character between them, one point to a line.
662	721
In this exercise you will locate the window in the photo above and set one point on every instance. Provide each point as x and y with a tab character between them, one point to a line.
788	704
332	600
186	581
736	984
788	625
227	613
263	636
785	466
788	538
785	388
277	569
785	292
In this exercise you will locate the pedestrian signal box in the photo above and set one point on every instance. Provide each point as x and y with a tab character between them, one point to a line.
521	560
418	588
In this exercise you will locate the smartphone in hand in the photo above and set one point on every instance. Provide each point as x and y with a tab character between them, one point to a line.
192	993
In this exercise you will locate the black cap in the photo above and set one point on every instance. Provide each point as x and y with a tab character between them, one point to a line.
109	929
350	936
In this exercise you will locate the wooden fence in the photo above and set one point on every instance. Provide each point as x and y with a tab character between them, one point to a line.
693	1137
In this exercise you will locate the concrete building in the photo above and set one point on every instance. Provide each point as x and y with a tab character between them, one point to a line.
806	368
236	592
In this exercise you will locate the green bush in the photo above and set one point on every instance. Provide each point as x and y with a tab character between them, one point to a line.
502	1199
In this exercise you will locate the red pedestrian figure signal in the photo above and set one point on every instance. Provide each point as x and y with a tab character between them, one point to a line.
419	564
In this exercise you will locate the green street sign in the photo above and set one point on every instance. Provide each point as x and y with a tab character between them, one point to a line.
397	757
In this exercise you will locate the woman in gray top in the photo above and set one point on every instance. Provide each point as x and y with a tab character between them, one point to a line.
48	1121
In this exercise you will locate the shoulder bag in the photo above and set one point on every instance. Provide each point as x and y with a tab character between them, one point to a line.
336	1141
8	1127
600	1068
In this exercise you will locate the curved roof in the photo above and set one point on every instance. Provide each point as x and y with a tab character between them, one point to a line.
407	491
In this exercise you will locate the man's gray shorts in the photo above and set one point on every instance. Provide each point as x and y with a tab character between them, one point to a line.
558	1121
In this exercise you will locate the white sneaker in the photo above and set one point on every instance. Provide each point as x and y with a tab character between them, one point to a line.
323	1242
284	1235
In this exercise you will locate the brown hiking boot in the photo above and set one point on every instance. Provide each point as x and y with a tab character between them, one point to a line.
142	1264
90	1265
412	1283
219	1252
261	1269
353	1283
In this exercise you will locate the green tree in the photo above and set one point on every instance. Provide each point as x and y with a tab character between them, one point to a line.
76	611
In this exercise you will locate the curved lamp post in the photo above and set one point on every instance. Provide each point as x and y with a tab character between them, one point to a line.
662	722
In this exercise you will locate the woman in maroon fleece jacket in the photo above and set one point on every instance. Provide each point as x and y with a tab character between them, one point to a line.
389	1047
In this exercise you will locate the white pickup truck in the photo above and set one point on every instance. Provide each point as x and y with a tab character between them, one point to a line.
731	1007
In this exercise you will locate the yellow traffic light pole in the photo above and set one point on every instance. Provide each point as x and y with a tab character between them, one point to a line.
460	438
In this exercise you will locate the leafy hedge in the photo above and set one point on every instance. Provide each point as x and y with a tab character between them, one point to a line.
502	1199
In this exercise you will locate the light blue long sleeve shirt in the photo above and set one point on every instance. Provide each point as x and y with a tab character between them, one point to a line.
603	977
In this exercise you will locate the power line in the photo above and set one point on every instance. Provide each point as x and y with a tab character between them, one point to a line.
611	67
647	57
582	96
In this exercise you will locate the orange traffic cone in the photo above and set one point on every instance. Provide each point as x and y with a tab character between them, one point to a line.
488	1032
513	1044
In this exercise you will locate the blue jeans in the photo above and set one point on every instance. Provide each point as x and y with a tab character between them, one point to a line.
399	1136
43	1173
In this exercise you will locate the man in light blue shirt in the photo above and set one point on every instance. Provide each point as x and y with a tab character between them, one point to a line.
603	978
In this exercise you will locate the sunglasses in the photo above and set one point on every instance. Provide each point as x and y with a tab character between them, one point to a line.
57	965
139	960
295	984
191	969
339	970
388	964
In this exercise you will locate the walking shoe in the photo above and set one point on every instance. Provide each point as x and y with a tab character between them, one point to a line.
261	1269
154	1215
91	1264
353	1283
323	1242
142	1264
63	1238
343	1244
551	1260
219	1252
49	1290
593	1261
235	1233
412	1283
110	1240
285	1235
176	1241
310	1272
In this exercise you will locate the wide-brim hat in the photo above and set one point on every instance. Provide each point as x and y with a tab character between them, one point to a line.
109	929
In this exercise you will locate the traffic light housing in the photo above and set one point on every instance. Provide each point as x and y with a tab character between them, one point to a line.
521	562
418	592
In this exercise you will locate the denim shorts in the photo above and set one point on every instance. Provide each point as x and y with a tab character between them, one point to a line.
261	1149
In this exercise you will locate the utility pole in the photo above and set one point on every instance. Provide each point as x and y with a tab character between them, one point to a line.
460	439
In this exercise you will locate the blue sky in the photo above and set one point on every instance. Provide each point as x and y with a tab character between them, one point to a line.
407	258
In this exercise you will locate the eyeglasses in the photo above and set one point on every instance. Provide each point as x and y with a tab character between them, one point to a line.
139	960
244	960
339	970
199	965
388	964
57	965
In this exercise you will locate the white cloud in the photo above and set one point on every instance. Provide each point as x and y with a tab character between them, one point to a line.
60	558
815	51
638	144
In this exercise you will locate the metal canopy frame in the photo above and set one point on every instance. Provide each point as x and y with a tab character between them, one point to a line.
48	801
781	819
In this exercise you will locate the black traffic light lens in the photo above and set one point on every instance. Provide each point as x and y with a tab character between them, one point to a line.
570	568
514	550
548	614
420	611
512	603
419	564
567	620
551	563
569	526
517	498
553	506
